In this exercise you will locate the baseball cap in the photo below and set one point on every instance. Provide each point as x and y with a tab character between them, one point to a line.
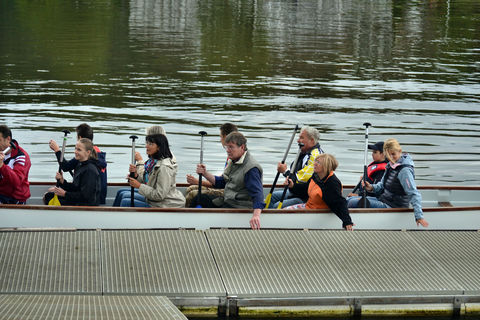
377	146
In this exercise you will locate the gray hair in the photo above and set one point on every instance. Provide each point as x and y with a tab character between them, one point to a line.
236	138
312	133
155	130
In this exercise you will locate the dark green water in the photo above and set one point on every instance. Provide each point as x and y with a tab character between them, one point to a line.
411	68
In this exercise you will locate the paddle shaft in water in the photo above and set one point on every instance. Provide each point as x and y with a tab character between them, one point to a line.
269	196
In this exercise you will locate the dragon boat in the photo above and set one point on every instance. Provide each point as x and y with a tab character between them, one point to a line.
445	208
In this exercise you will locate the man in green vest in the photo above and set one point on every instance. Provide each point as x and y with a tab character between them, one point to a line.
241	180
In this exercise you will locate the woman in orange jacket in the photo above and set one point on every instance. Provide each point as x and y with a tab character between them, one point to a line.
324	190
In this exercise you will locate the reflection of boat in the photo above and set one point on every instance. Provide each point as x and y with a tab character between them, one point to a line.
445	207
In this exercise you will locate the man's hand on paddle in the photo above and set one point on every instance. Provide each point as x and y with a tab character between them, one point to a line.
281	167
289	182
201	169
138	156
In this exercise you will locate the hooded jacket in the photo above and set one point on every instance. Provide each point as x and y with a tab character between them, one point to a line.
397	187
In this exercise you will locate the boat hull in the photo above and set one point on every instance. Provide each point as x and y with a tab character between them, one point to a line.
447	208
13	217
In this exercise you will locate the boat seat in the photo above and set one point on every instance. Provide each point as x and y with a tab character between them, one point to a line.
445	204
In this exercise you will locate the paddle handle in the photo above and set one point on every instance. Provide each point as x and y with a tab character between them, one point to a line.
364	192
62	154
199	193
132	174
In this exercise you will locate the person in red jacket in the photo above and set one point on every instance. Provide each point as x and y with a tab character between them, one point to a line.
14	167
375	169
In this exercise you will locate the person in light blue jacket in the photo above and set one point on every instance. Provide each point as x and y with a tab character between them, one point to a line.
397	188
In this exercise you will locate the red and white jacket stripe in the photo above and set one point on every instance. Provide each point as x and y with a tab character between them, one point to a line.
14	174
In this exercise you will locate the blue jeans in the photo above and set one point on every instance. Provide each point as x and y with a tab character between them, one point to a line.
123	199
373	201
289	200
8	200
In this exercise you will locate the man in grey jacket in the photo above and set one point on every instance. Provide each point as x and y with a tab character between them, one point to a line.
241	179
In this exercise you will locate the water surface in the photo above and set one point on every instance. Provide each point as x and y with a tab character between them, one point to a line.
411	68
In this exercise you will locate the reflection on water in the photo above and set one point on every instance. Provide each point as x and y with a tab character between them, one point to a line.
409	68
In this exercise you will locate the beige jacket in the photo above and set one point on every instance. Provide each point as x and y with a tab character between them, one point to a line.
160	190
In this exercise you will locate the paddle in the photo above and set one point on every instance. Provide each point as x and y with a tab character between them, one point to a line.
132	174
269	196
64	144
291	175
54	201
199	194
364	203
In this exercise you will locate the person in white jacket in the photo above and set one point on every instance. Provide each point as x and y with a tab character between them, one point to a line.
154	178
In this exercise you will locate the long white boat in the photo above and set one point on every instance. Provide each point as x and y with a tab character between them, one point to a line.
445	208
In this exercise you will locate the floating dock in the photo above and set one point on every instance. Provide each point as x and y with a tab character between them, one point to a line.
234	273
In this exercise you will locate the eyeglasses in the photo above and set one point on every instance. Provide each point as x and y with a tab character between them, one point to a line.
230	148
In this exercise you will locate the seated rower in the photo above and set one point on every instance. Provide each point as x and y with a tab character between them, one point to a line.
207	188
84	131
241	181
86	186
14	168
310	139
154	179
324	190
375	169
397	188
